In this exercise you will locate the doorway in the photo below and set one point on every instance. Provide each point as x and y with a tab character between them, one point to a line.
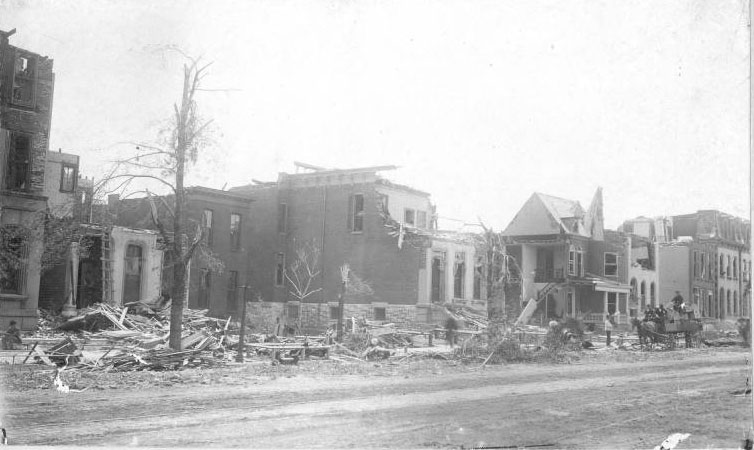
133	274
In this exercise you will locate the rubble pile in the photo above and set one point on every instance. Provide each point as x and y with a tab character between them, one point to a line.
137	335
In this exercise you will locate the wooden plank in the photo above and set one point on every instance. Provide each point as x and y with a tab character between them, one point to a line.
30	352
123	316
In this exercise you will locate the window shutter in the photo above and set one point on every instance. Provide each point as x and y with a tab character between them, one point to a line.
350	213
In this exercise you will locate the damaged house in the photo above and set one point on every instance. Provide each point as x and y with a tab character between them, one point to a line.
569	263
87	259
311	224
708	260
26	89
645	235
219	267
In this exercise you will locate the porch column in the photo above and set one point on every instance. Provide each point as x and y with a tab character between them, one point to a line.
604	308
72	276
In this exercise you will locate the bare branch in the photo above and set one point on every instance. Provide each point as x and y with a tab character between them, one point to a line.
131	177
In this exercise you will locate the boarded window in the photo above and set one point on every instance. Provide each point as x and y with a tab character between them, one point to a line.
19	162
235	231
611	264
232	297
68	178
379	314
279	269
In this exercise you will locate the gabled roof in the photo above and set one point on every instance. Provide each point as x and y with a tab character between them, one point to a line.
545	214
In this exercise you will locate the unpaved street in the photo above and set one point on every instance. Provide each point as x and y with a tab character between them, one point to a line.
594	404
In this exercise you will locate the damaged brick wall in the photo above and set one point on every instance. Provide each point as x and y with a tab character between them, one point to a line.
33	120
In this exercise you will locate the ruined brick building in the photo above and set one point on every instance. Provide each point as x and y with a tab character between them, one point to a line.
385	232
26	90
708	260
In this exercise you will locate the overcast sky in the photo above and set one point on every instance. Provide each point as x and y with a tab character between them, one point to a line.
480	103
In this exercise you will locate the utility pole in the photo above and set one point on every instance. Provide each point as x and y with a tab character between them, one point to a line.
242	333
340	310
344	270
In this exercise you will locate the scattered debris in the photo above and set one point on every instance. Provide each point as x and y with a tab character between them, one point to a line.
672	441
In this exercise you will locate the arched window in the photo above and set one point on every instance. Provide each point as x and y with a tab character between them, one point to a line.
652	300
735	268
735	303
727	266
727	303
722	266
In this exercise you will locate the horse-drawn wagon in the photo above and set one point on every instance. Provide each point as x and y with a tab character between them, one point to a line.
666	328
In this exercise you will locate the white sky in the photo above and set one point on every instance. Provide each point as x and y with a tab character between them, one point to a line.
481	103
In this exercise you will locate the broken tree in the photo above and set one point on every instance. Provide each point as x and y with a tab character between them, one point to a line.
166	163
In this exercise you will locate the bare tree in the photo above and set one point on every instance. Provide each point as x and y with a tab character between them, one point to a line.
165	164
304	271
500	271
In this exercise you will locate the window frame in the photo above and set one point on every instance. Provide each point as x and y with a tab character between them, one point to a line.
459	280
606	265
406	211
357	216
12	161
235	238
74	177
232	291
33	60
282	217
279	269
208	226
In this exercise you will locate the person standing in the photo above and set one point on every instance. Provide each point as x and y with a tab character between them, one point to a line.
11	337
608	329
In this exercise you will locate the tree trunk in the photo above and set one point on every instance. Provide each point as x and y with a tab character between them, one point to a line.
179	268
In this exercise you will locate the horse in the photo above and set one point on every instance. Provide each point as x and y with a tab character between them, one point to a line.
647	331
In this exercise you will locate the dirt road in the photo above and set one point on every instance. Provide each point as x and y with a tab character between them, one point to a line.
593	405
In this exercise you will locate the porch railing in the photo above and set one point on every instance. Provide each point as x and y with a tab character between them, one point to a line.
622	319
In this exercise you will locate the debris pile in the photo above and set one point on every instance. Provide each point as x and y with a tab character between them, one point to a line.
137	335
